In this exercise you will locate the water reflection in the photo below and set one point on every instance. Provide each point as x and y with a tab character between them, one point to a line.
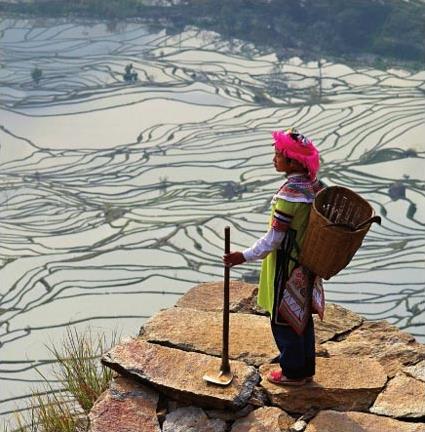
114	194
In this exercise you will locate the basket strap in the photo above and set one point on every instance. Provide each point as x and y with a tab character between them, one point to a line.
322	184
308	194
282	272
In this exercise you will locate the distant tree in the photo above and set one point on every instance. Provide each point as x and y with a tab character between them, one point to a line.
130	74
314	96
36	75
380	63
163	184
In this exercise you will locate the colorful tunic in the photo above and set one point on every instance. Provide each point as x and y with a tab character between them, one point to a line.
290	212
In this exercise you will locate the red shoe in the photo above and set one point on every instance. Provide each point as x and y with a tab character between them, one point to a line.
277	377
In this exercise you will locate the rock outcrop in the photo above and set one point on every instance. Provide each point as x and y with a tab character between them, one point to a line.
264	419
250	338
179	374
382	341
208	297
370	376
127	405
340	383
404	397
332	421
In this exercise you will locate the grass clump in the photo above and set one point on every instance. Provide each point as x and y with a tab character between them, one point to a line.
83	380
79	368
51	412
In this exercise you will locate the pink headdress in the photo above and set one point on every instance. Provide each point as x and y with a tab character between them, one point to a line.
296	146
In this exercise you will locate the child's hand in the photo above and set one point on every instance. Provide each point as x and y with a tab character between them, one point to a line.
233	258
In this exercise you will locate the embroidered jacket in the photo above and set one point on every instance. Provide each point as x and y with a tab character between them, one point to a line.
279	247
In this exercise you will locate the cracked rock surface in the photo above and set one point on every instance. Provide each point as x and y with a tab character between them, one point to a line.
370	376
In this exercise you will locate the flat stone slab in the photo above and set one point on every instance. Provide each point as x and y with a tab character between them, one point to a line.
201	331
382	341
250	336
264	419
339	383
336	321
125	406
332	421
209	297
179	374
404	397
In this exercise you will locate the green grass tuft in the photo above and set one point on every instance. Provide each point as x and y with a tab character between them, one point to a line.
79	367
83	378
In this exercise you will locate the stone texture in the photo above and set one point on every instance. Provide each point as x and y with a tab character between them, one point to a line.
352	375
339	383
404	397
332	421
250	336
301	423
393	348
266	419
336	321
192	419
416	371
229	415
201	331
179	374
258	397
126	406
209	297
298	426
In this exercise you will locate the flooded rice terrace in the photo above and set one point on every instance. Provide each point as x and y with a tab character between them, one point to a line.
114	193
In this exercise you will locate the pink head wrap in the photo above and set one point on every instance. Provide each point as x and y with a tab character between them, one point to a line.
296	146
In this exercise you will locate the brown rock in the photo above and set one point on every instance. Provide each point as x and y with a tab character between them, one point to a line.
258	397
266	419
416	371
337	320
339	383
382	341
229	415
209	297
301	423
192	419
126	406
179	374
250	338
332	421
404	397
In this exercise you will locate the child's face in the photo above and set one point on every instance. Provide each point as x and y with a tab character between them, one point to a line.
280	162
288	166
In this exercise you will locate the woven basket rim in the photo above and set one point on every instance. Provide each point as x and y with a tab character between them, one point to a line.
349	191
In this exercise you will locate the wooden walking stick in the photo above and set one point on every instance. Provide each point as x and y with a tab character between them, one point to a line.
224	376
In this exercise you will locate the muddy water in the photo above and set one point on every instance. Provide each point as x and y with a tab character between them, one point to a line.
114	194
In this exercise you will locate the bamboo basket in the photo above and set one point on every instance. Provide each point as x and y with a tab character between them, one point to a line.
338	222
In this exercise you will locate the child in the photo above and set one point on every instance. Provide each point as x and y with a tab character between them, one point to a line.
288	291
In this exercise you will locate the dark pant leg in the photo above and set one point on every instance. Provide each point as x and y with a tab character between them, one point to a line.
297	352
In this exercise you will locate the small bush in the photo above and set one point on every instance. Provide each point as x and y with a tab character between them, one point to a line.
84	379
36	75
79	367
53	413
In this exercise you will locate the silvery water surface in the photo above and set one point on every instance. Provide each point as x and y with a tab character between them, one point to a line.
114	194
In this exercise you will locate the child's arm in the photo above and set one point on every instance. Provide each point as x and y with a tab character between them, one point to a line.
270	241
259	250
263	246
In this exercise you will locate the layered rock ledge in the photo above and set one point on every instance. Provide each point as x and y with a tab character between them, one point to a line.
370	376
